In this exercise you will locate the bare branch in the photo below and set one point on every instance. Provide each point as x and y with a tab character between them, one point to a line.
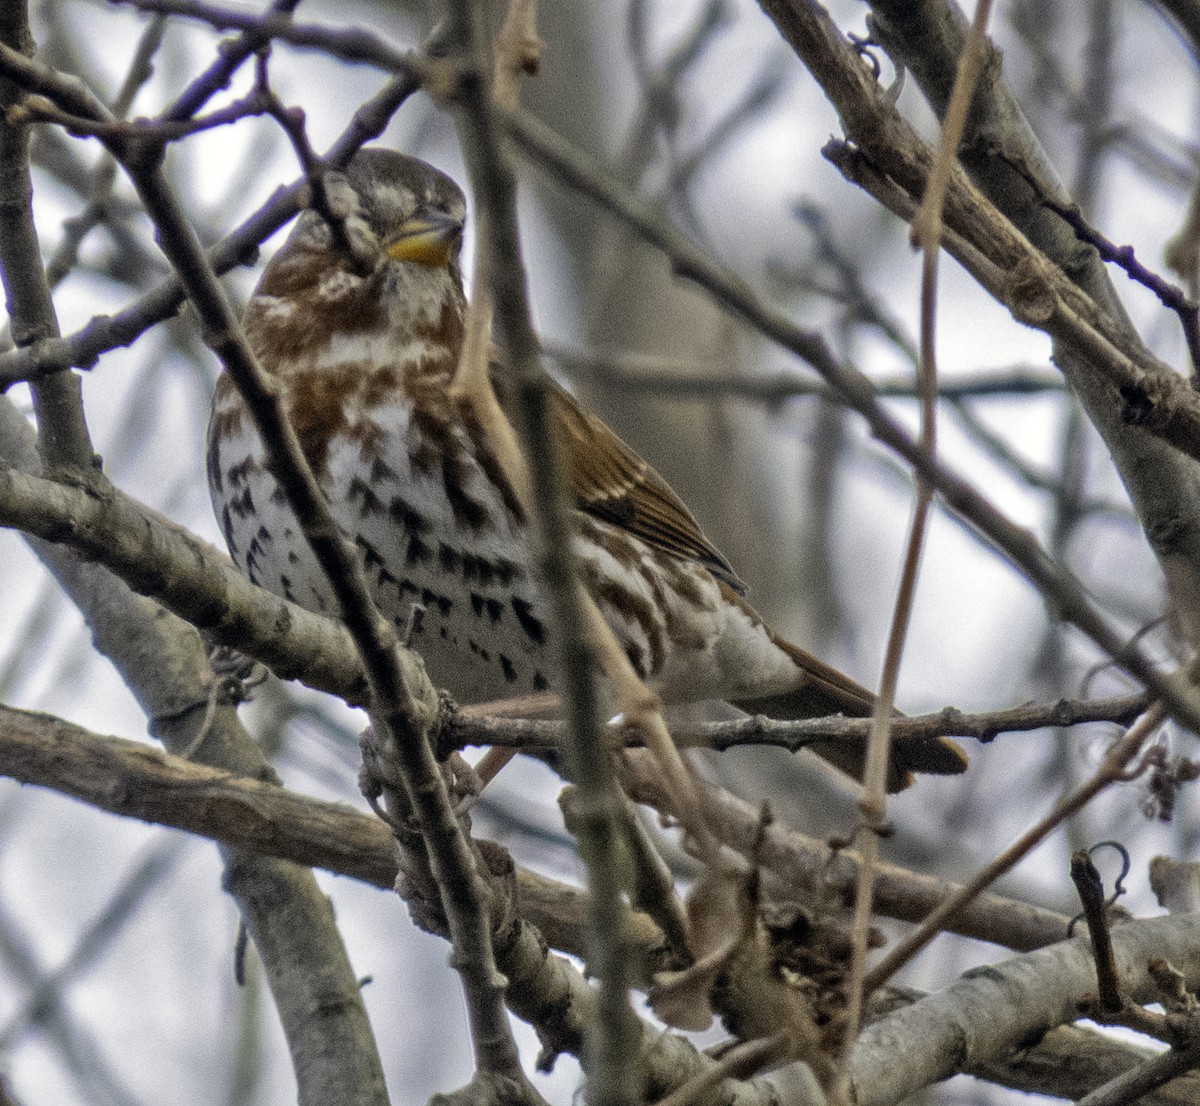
929	1040
1116	765
165	665
1135	1085
1018	546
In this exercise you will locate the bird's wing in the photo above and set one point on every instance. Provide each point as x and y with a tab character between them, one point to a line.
612	483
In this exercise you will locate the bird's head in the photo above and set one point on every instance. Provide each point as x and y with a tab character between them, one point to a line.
392	207
415	212
389	263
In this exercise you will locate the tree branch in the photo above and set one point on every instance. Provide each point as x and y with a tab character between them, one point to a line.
986	1015
1016	544
134	780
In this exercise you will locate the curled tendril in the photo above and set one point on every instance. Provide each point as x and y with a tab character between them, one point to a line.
863	47
1126	864
1118	888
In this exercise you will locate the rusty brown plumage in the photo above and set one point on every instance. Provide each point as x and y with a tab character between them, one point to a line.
363	342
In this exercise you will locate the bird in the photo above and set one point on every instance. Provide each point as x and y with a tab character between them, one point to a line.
360	323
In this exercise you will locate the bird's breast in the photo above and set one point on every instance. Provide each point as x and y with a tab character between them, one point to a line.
415	486
444	551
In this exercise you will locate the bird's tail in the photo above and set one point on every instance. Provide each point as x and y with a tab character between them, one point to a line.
822	690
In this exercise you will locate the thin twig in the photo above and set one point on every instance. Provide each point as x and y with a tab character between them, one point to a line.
96	209
350	44
239	247
1135	1084
200	585
133	780
1170	296
217	76
1064	591
613	1066
38	109
469	728
1115	768
926	234
695	379
1088	884
164	664
1154	402
1016	543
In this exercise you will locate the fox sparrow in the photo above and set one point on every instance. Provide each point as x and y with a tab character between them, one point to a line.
362	329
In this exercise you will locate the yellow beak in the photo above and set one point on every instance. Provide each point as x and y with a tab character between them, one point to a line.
428	238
